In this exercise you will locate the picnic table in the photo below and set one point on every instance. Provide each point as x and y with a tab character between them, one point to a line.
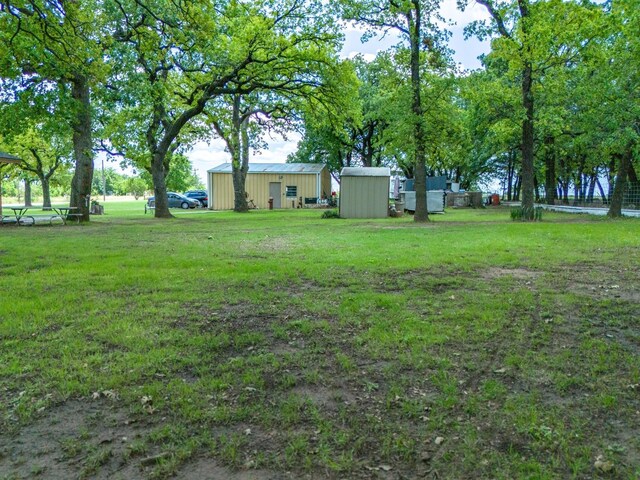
20	213
63	213
66	212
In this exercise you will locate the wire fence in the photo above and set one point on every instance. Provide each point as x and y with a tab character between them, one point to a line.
630	199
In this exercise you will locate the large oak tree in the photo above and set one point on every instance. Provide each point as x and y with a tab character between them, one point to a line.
416	23
56	44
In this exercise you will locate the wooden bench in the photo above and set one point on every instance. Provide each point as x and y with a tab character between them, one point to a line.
149	208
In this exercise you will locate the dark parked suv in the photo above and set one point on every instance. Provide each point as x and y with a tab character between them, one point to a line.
199	195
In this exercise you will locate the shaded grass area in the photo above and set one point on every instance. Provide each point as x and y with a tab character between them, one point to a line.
279	345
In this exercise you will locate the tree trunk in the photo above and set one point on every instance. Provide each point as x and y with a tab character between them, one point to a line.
592	186
615	209
510	172
27	193
244	151
160	147
413	20
611	177
239	191
46	192
238	144
563	181
584	185
577	185
550	171
582	180
367	145
82	148
158	175
517	187
602	194
240	174
526	173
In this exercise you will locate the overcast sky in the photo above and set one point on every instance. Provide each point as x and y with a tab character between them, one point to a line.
205	156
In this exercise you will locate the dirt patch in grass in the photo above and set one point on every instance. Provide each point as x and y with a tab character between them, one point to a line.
493	273
75	439
99	439
269	244
600	282
205	468
288	388
427	281
310	385
326	398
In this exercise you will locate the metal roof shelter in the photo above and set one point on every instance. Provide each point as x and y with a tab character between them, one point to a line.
364	192
279	168
6	158
289	185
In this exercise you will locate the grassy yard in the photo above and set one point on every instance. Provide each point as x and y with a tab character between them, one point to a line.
277	345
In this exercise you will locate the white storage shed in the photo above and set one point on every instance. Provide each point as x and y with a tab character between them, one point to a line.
364	192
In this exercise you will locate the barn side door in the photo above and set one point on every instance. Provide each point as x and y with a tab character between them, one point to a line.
275	192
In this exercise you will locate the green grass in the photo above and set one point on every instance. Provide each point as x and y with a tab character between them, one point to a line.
282	342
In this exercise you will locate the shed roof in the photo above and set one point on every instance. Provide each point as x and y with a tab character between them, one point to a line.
7	158
280	168
365	172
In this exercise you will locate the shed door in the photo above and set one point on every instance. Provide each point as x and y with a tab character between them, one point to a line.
275	192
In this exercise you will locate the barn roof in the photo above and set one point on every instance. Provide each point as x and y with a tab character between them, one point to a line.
279	168
365	172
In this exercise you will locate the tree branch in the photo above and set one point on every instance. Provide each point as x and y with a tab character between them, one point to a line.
496	17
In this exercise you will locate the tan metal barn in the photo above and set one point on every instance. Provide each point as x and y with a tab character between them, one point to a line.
364	192
289	184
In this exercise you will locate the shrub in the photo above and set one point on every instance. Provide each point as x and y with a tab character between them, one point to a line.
331	214
521	213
